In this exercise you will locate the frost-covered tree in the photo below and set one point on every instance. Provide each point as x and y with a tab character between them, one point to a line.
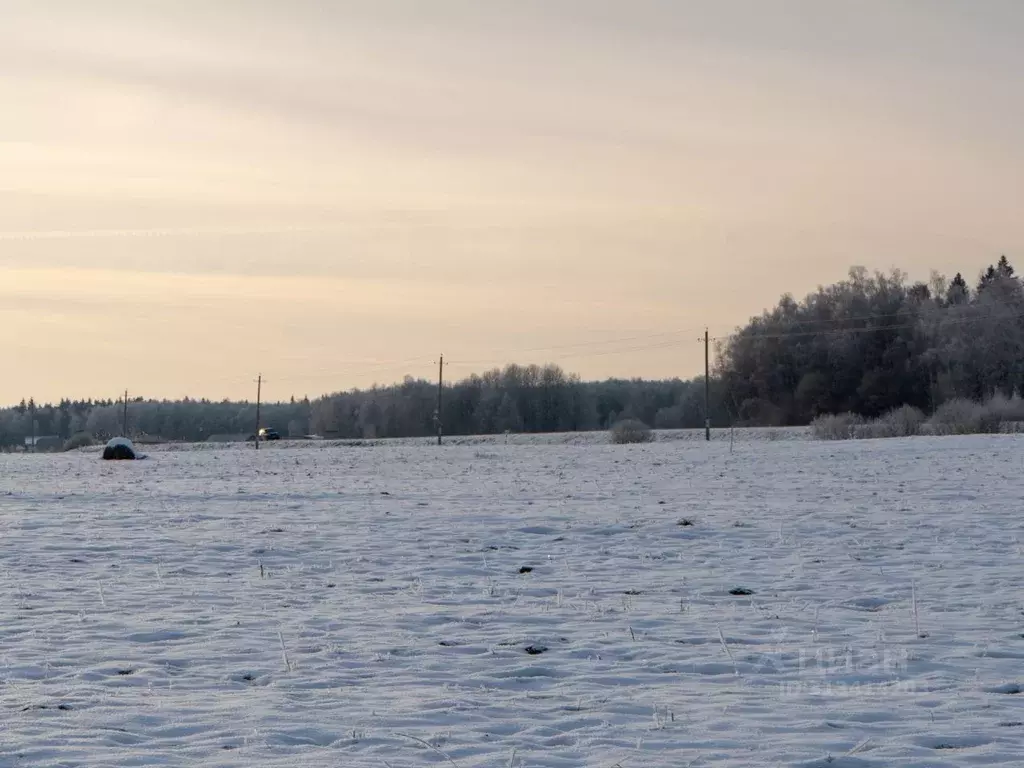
875	342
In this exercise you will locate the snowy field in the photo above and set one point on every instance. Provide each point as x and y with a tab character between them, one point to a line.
789	603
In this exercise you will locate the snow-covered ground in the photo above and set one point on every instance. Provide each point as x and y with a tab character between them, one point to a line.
522	605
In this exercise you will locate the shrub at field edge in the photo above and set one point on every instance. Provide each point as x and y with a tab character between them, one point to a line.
954	417
630	431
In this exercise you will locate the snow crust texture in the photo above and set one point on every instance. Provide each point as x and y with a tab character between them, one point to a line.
790	603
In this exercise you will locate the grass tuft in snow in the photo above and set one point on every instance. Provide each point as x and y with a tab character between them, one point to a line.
630	431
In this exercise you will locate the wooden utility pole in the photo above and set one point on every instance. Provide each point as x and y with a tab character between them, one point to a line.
259	394
124	416
707	386
440	388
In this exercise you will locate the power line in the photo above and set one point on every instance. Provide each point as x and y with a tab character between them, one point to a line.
605	341
661	340
753	335
379	367
667	343
388	366
911	312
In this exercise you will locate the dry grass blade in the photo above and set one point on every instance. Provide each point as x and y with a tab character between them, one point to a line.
428	745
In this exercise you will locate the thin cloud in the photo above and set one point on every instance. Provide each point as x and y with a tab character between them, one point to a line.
29	235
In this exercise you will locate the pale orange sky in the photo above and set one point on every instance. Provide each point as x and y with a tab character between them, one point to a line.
332	193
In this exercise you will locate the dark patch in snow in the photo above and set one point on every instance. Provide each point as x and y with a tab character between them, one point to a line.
156	636
61	707
837	762
870	604
535	650
740	591
944	743
1008	689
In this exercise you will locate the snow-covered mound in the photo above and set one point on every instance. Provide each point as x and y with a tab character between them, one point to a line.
120	448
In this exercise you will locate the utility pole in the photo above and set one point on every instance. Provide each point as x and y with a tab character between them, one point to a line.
707	386
259	393
440	388
124	416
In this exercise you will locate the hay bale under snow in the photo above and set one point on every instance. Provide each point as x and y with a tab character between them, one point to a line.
119	449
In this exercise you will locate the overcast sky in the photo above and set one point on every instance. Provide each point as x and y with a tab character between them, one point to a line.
332	193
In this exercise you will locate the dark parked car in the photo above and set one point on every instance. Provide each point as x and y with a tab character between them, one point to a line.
266	433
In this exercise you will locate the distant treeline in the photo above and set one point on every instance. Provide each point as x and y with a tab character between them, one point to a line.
518	398
192	420
866	345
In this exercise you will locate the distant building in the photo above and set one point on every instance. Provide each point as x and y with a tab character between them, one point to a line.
44	443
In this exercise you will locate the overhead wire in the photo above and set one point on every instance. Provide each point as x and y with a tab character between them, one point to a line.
666	343
754	335
584	350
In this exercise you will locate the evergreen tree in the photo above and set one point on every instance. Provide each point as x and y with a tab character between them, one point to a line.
987	278
958	292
